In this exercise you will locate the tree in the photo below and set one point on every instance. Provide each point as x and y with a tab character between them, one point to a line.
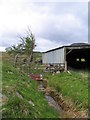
9	50
26	47
28	44
15	50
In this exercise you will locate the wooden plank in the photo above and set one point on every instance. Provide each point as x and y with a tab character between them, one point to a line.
60	56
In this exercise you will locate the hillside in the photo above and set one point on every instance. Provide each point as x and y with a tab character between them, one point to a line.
21	98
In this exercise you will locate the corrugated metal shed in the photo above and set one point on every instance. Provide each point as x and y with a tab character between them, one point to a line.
54	56
60	55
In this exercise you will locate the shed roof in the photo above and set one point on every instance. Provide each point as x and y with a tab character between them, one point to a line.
74	45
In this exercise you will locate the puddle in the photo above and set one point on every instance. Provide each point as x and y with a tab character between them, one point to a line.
52	102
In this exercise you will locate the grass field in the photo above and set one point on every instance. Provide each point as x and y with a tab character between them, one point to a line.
18	106
73	85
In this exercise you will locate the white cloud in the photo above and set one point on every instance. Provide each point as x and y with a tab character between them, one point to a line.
14	17
52	24
45	44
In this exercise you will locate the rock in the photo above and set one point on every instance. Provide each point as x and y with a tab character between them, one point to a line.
53	74
10	72
35	68
19	95
41	89
57	72
3	99
31	103
25	111
3	109
68	72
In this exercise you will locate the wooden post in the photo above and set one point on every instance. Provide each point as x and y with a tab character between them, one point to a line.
65	60
65	65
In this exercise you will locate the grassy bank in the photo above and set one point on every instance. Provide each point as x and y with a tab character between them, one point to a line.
21	96
23	99
73	85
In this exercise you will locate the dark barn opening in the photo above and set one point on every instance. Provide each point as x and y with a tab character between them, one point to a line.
78	58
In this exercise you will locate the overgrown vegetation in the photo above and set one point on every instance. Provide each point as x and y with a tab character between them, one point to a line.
21	96
73	86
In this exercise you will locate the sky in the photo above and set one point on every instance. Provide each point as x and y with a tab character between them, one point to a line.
53	24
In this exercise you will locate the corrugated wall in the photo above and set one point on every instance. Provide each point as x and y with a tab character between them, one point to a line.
53	57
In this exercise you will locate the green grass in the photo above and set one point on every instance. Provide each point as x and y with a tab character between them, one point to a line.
17	107
72	86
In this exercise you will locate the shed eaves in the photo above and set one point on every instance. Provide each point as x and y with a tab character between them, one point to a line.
72	45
